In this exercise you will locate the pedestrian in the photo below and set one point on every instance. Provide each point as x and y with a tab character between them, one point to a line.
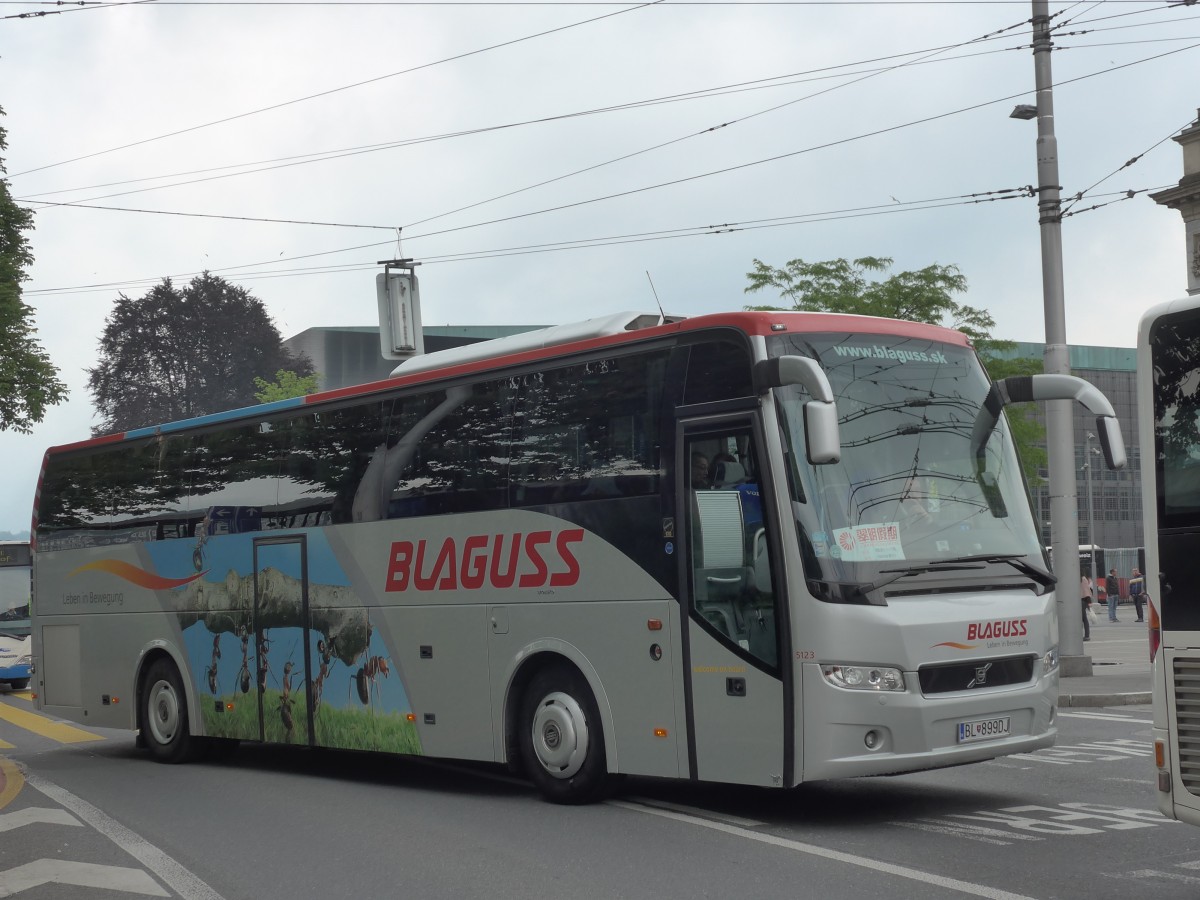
1112	586
1137	591
1085	598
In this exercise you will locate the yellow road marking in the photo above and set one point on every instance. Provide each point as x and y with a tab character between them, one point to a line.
5	745
11	782
56	731
24	695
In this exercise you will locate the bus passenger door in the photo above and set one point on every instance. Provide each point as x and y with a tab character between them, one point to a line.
280	639
737	715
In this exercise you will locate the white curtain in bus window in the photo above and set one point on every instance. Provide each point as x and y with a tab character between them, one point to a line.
1174	344
588	431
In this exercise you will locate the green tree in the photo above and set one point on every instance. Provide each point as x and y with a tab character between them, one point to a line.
285	386
926	295
28	380
178	353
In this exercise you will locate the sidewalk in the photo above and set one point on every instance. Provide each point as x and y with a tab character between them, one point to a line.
1120	653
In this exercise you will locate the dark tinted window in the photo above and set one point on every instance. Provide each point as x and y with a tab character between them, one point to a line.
718	370
450	451
330	466
1175	352
112	495
588	431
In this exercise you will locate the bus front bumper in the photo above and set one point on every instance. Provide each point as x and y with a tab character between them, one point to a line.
851	733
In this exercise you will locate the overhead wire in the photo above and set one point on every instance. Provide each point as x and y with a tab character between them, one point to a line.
651	187
347	87
920	121
711	129
1125	165
234	273
704	93
469	256
794	153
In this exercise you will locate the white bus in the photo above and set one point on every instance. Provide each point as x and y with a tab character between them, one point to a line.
1168	395
15	581
758	548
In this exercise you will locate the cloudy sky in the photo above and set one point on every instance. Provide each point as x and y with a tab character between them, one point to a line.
541	157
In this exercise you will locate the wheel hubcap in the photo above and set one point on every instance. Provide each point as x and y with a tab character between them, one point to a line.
560	735
163	712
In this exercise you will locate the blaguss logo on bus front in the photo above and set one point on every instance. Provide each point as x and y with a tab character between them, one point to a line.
521	559
981	631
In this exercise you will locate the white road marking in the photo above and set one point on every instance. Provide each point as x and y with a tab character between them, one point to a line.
174	875
23	817
962	831
62	871
925	878
703	813
1170	876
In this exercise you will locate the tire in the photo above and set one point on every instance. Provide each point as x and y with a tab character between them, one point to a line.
19	684
164	717
561	738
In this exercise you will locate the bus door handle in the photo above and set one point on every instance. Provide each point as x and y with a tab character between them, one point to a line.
715	579
735	687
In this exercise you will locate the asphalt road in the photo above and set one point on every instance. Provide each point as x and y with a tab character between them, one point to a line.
1074	821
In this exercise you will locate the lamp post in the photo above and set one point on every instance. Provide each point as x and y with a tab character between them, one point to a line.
1060	437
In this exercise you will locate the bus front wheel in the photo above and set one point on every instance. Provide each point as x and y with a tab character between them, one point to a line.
164	713
562	742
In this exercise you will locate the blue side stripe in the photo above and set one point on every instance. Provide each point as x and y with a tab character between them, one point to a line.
246	412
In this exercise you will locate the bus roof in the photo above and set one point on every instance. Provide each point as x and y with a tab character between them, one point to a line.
558	340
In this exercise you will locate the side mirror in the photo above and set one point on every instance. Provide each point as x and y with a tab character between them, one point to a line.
821	433
1031	388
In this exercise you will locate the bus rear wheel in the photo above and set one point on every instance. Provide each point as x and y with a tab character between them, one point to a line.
561	739
164	713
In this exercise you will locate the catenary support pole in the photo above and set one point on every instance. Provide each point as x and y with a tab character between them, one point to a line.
1060	438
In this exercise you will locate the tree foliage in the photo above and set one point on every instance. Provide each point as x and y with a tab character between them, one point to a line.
177	353
285	386
926	295
28	380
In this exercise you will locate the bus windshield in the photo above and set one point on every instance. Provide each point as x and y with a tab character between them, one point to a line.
14	589
904	497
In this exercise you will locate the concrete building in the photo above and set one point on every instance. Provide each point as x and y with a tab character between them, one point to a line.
349	355
1185	197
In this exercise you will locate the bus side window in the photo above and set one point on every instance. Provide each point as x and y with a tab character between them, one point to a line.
731	575
454	457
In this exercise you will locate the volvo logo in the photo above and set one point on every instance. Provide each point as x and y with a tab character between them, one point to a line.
980	678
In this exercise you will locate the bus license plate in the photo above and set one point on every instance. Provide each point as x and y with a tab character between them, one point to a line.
983	729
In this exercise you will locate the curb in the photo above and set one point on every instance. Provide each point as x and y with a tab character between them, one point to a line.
1133	698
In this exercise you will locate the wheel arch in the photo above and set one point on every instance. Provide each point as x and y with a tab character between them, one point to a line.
534	658
156	650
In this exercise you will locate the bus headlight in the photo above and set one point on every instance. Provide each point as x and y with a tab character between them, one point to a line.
1050	661
864	678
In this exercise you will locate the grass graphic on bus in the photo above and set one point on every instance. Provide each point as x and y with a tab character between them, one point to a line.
244	641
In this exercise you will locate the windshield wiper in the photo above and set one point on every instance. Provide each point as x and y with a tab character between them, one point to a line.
957	563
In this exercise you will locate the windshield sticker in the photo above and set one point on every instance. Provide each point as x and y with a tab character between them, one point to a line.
862	543
879	352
